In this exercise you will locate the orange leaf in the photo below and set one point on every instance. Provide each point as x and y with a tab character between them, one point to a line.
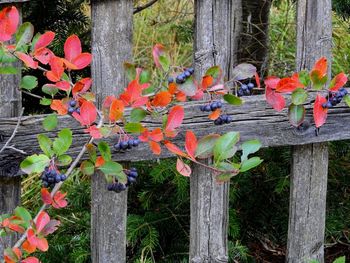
116	110
321	67
207	81
183	168
215	114
56	71
172	88
338	81
289	84
180	96
46	196
155	147
99	161
191	144
162	99
27	60
156	135
174	149
28	247
320	113
59	106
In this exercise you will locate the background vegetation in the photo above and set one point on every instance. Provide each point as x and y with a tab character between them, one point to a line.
158	216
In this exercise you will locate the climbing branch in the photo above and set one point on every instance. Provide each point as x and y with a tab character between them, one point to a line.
6	145
142	7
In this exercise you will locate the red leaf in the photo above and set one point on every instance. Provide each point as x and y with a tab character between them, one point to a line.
257	80
59	106
56	71
338	81
99	161
27	60
157	51
42	244
46	196
50	227
59	200
321	67
9	19
156	135
155	147
44	55
320	113
162	99
31	260
174	149
116	110
183	168
83	60
272	82
73	55
288	84
191	144
207	81
82	86
44	40
63	85
94	132
88	113
175	118
42	221
28	247
276	100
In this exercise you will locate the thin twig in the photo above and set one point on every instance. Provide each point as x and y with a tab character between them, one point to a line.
14	131
12	147
142	7
30	94
58	186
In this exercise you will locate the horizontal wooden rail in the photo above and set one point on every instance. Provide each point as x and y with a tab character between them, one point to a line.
254	119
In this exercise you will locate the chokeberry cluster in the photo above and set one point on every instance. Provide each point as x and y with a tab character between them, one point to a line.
223	119
128	144
181	78
73	107
334	98
119	187
51	176
245	89
211	107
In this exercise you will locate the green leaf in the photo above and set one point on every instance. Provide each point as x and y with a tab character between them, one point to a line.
34	40
87	167
29	82
317	83
64	160
91	149
347	99
45	101
214	71
296	114
24	214
9	70
224	147
249	147
62	143
299	96
90	96
130	70
35	163
340	260
145	77
50	122
45	144
304	78
226	176
137	115
205	146
49	89
164	62
250	163
133	127
115	169
6	57
9	252
105	151
233	100
24	34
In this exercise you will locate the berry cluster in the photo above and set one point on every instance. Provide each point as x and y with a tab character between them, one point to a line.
73	107
211	107
245	89
223	119
50	177
181	78
334	98
123	145
119	187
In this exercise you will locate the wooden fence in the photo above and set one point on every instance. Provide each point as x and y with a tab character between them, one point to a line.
216	41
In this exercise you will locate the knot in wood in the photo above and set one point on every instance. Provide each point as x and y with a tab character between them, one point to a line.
302	129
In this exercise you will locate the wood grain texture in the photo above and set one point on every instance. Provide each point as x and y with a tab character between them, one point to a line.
310	162
10	106
12	1
215	44
111	46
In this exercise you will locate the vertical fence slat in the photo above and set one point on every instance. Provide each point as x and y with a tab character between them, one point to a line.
10	106
310	162
111	46
215	44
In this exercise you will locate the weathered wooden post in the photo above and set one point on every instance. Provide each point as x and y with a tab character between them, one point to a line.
10	106
215	44
310	162
111	46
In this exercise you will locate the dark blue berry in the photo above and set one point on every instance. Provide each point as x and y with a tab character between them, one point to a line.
110	187
183	75
51	179
135	142
213	106
329	104
207	108
131	180
187	73
133	169
202	107
191	70
224	118
240	92
63	177
121	187
130	143
333	101
218	121
71	110
244	86
170	80
117	146
73	103
324	105
57	178
250	85
219	104
179	79
78	110
133	174
124	145
45	184
229	119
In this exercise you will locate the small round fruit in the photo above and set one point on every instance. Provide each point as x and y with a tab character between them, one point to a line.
187	73
207	108
179	79
202	107
329	104
71	110
63	177
244	86
77	110
191	70
240	92
73	103
324	105
131	180
219	104
214	106
133	169
250	85
124	145
117	146
45	184
229	119
218	121
135	142
133	174
170	80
